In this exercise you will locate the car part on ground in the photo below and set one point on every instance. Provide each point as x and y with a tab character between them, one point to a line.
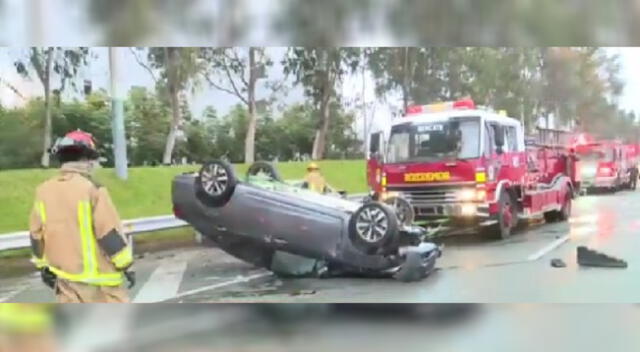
257	218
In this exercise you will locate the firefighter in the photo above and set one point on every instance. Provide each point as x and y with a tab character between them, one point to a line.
314	180
76	234
27	327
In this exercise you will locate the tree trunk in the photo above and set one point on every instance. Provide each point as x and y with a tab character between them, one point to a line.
249	142
319	144
45	161
405	81
172	67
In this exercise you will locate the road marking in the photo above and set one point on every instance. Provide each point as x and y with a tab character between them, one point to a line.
237	280
548	248
163	284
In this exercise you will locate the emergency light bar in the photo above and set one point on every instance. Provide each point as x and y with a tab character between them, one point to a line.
463	104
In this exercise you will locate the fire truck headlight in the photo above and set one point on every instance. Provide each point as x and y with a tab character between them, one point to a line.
588	170
467	195
468	209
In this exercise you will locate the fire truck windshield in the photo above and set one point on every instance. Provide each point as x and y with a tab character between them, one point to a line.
457	139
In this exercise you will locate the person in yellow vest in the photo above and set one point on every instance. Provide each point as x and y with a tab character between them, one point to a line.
27	328
76	234
315	181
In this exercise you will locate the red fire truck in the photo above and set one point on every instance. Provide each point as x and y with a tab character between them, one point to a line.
605	165
465	167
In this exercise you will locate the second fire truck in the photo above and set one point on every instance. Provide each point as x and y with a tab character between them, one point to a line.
466	167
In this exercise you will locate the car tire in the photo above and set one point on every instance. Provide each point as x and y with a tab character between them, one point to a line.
266	168
403	209
373	227
215	183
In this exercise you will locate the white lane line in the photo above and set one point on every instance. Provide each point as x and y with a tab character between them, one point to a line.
239	279
163	284
548	248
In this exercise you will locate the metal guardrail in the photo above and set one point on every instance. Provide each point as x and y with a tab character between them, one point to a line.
17	240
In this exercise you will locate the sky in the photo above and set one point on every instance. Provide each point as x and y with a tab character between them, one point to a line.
379	113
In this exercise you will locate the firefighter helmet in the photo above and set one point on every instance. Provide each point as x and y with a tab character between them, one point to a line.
313	166
75	145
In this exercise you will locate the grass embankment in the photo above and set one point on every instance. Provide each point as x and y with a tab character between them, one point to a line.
147	192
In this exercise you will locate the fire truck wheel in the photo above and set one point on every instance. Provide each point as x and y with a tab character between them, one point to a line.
404	211
565	212
373	227
215	183
507	218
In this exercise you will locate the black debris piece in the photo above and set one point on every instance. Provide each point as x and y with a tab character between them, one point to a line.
558	263
592	258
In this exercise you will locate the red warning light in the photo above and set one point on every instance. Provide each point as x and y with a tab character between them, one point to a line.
464	104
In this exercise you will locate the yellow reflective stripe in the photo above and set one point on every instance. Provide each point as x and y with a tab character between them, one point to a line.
91	239
39	263
115	279
41	210
83	238
124	258
90	274
24	317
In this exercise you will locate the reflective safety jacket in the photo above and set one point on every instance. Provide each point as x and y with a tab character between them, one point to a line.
76	231
315	181
26	317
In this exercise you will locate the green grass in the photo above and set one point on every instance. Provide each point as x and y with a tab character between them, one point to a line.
147	192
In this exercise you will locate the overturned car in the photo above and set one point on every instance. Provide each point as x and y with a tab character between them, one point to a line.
292	231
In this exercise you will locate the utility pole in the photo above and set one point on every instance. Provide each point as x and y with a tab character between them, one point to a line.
364	110
117	111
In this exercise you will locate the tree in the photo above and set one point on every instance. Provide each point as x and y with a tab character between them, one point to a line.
46	62
321	23
320	70
148	119
179	69
128	23
229	63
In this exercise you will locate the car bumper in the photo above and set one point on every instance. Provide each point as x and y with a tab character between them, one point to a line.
461	211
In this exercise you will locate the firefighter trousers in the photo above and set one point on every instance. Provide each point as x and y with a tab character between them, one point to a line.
76	292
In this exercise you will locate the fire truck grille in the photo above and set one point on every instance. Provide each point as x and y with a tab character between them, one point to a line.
429	195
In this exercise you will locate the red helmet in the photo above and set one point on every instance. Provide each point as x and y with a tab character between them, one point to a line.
77	143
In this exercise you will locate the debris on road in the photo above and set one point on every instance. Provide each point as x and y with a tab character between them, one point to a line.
303	292
590	257
558	263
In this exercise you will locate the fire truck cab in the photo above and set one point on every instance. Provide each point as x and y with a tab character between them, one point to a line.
605	165
464	167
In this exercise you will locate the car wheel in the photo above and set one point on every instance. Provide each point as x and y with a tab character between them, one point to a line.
264	168
403	209
373	227
215	183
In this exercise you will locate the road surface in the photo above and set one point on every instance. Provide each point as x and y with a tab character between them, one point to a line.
471	269
319	327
